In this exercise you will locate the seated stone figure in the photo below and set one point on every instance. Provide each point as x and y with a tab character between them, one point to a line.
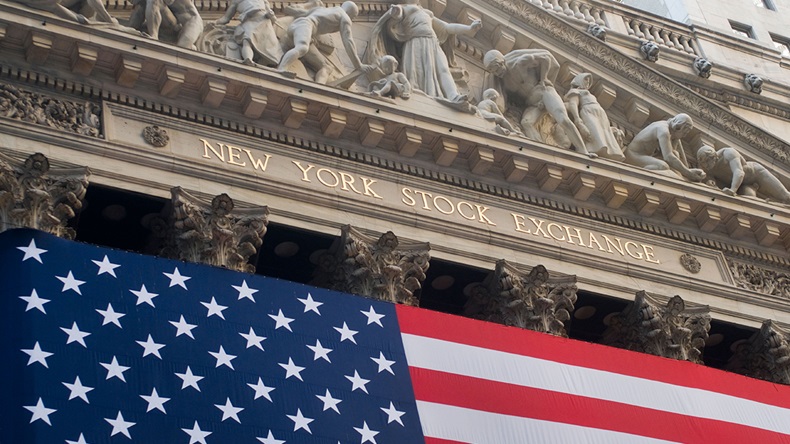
663	138
489	110
742	177
394	84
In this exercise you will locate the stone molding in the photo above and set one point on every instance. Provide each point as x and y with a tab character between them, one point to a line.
534	301
213	233
34	196
670	330
383	268
765	355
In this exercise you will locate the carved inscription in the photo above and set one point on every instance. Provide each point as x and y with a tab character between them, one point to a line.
584	238
233	155
429	203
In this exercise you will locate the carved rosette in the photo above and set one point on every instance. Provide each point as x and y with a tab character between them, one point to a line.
765	355
156	136
690	263
39	109
214	233
672	331
761	280
34	196
383	268
533	300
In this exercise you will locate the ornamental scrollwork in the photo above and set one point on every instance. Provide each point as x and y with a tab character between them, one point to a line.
765	355
534	300
214	233
39	109
383	268
672	330
761	280
34	196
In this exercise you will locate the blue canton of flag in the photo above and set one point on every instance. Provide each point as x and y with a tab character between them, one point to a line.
104	346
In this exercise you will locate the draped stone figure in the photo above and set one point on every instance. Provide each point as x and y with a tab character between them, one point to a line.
255	33
526	77
740	176
663	137
591	119
414	36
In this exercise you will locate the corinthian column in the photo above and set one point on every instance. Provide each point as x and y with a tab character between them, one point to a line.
765	355
214	233
34	196
533	300
381	268
672	330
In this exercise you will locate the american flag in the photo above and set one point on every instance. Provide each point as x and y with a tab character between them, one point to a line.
104	346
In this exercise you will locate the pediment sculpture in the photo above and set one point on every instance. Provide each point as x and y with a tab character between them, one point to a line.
410	54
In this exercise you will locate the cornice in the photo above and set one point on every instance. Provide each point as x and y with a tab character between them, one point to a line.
708	113
575	185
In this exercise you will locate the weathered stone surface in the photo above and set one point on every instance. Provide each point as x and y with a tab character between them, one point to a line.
380	268
672	331
33	196
39	109
761	280
765	355
213	233
533	300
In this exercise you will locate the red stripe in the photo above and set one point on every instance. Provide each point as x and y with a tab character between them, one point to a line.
441	441
567	351
528	402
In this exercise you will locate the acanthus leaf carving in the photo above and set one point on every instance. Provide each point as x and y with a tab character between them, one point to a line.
33	195
383	268
765	355
761	280
534	300
672	330
39	109
213	233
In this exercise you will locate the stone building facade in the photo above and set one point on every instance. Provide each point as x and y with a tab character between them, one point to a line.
529	163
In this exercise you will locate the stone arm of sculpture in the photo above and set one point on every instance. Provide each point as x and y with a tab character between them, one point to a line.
351	48
738	174
667	146
229	13
459	28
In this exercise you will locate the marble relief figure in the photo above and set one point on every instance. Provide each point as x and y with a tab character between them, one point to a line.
392	84
413	35
255	33
591	119
66	9
526	77
663	138
489	110
739	176
313	20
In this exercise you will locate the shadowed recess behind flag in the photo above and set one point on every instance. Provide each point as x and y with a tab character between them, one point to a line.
104	346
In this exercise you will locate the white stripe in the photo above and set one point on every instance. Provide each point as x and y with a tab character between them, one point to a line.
473	426
450	357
